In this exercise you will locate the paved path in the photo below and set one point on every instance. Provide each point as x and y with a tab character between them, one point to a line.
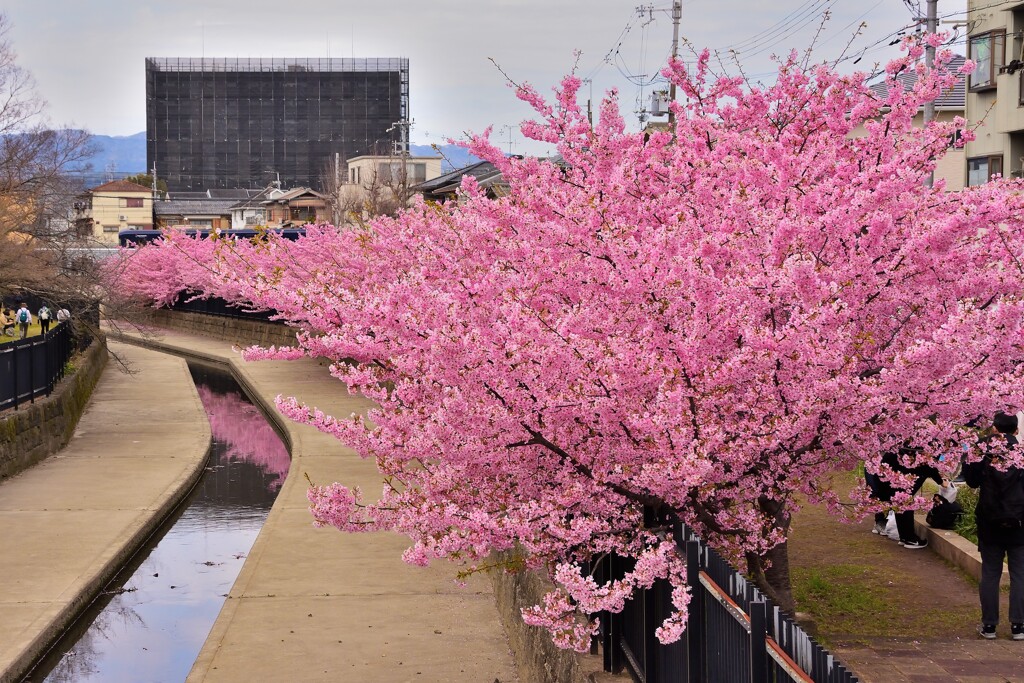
320	605
69	523
968	660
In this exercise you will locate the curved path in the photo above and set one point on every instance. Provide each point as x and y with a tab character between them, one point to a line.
69	523
320	605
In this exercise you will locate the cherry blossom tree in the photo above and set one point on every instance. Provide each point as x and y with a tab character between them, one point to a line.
704	323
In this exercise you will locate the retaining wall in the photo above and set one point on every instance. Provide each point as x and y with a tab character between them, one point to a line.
37	430
537	659
234	330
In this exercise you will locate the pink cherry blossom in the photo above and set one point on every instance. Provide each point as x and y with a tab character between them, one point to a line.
707	322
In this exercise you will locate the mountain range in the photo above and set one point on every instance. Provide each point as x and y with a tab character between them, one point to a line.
118	156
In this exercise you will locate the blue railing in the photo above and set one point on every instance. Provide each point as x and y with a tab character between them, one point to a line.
30	368
734	633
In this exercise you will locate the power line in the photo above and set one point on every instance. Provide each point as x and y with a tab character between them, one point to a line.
796	15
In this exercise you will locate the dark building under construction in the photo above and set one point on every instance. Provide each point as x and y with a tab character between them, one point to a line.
242	123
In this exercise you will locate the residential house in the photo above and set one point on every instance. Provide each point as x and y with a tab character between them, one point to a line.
103	211
252	211
948	105
445	186
295	208
379	184
995	91
212	209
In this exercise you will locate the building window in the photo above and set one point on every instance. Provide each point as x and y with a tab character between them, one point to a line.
981	169
988	50
303	214
134	202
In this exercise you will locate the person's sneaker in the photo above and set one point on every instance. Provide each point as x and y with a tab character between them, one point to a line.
879	528
916	545
1017	631
987	631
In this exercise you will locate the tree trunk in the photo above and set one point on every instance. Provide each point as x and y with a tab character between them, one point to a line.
771	571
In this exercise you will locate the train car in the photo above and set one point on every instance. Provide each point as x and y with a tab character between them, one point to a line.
131	238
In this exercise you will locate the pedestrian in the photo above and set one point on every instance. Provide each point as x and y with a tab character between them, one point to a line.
945	511
24	319
908	537
1000	519
44	319
877	488
63	315
6	323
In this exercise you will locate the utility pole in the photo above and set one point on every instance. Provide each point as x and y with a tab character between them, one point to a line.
932	26
403	127
677	14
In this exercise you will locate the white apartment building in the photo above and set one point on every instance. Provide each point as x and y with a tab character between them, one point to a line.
995	91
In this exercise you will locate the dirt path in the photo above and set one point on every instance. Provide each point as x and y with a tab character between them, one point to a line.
890	614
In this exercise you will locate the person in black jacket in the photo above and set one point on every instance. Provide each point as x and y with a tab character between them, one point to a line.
1000	519
885	491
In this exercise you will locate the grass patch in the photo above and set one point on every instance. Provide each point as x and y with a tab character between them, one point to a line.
844	592
33	330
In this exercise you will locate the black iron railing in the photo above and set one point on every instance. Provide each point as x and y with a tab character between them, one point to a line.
30	368
733	633
218	306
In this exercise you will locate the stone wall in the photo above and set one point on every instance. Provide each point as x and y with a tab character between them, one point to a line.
234	330
537	658
37	430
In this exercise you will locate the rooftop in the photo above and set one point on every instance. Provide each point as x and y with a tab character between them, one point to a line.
950	100
120	186
294	64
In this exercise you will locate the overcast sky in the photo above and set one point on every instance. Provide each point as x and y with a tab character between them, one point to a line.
87	56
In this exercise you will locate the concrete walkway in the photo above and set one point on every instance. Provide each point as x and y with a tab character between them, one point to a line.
320	605
69	523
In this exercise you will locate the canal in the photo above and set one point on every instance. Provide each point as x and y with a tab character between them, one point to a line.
151	621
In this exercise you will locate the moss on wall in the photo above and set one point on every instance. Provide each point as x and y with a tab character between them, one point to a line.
235	330
37	430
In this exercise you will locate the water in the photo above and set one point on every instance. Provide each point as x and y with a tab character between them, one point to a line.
151	621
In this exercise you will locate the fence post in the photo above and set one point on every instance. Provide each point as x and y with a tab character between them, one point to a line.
695	617
14	374
758	653
31	372
612	654
47	361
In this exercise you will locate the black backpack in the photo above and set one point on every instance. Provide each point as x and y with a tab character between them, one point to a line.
944	514
1002	497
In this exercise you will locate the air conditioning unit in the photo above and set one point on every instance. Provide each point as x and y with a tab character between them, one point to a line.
122	217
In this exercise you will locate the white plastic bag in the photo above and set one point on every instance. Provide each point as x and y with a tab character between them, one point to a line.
890	527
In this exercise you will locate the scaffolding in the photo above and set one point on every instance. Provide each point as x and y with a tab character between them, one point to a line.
227	123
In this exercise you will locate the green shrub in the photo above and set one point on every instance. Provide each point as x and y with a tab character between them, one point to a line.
966	526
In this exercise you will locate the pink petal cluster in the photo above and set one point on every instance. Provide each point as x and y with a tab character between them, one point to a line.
700	323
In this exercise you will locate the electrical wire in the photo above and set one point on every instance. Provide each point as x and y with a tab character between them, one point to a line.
808	9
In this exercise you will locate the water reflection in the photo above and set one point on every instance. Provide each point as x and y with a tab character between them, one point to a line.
152	621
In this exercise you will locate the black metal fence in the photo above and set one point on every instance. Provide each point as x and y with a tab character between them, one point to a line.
30	368
218	306
733	635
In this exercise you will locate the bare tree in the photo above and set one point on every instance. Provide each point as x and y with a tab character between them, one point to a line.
39	248
383	190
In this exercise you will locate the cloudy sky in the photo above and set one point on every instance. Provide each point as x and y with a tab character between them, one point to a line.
88	56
